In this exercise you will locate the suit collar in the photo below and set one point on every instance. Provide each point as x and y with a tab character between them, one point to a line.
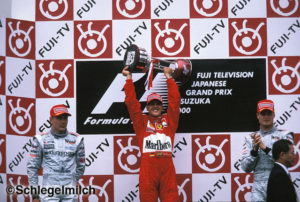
283	167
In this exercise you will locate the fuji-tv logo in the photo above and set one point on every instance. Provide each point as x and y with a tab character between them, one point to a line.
102	184
94	39
248	37
170	38
204	8
54	10
20	116
296	166
131	9
284	75
2	75
2	153
211	153
278	8
14	180
128	155
184	185
241	186
55	78
20	38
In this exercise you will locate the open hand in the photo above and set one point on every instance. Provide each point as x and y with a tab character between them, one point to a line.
257	141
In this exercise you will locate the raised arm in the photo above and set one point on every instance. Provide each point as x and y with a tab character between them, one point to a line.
249	156
133	105
173	100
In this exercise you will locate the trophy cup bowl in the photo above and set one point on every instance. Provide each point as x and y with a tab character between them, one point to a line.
137	60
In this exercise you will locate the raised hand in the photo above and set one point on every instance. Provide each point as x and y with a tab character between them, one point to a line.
168	71
126	73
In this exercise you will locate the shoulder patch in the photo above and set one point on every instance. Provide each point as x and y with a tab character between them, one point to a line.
73	133
45	133
285	132
282	130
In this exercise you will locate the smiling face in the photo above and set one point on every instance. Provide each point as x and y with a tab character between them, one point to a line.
265	119
155	108
59	123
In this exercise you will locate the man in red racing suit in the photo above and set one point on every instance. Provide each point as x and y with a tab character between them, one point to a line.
155	134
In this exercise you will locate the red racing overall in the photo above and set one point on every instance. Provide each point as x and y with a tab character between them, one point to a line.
155	137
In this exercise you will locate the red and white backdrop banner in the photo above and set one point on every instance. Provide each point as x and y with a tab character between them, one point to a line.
241	51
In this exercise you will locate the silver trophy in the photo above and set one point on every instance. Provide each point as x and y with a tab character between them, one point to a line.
138	60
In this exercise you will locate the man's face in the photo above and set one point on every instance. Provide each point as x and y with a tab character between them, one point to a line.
265	118
155	108
289	157
59	123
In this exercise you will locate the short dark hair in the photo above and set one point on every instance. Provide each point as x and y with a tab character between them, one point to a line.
280	146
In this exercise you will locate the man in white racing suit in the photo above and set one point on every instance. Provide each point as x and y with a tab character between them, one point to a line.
256	154
61	154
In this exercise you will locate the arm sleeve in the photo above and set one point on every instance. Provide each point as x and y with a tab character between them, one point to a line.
133	105
34	162
173	104
80	159
249	161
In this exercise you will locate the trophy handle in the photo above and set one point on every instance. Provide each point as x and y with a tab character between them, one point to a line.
160	64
